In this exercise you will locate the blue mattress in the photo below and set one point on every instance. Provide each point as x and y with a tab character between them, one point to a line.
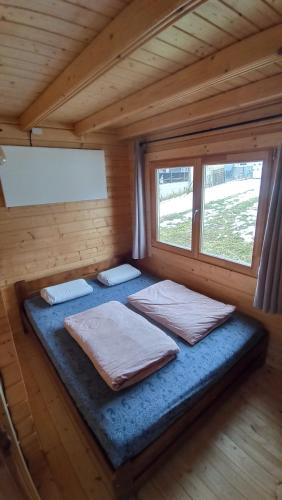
128	421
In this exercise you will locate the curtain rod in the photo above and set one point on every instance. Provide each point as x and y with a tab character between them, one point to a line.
222	127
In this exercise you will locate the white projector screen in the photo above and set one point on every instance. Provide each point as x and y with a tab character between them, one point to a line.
37	176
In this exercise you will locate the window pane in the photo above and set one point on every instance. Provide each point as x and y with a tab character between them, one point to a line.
229	211
174	206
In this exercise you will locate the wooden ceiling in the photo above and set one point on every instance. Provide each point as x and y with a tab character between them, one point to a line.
40	38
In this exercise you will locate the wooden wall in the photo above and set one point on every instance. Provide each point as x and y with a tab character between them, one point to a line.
17	396
41	240
220	283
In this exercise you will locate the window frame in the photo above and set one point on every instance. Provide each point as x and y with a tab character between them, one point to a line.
168	164
199	163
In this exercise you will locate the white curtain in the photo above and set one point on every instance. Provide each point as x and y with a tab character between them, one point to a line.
139	250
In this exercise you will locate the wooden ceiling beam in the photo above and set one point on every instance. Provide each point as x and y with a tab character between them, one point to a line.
253	94
136	24
253	52
264	113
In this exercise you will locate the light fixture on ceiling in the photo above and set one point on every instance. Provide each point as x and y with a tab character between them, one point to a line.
3	159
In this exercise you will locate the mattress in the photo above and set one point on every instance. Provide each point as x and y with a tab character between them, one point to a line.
126	422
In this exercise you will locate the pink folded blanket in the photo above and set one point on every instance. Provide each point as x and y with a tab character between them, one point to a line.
188	314
123	346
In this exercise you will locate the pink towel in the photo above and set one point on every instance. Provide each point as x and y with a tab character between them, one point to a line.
188	314
123	346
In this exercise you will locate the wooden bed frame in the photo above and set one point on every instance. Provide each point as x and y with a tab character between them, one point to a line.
128	478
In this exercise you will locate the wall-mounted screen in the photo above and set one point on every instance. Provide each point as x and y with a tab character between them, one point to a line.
37	176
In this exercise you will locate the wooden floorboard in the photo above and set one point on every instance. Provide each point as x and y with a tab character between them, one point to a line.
232	457
9	490
236	455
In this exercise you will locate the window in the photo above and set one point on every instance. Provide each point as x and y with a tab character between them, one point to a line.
229	210
212	209
174	218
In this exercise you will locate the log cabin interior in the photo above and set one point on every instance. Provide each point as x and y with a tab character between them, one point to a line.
141	249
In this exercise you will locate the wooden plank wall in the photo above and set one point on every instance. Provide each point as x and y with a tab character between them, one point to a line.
16	394
220	283
41	240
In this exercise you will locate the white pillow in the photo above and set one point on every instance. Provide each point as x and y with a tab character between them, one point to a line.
118	274
65	291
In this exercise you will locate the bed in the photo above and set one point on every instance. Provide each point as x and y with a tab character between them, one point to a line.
132	428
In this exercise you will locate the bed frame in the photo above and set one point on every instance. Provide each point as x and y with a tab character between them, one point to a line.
130	476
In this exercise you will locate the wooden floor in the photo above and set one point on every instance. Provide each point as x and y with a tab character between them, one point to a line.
9	490
237	455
